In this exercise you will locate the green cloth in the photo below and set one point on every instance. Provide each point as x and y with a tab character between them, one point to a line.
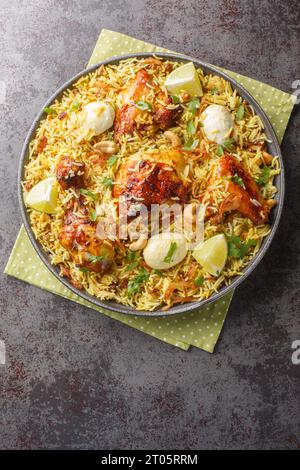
201	328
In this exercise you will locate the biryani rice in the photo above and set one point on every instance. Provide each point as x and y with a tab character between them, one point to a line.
62	139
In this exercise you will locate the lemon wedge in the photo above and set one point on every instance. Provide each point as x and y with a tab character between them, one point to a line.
186	79
212	254
43	196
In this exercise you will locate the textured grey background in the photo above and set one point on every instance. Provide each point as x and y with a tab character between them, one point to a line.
75	379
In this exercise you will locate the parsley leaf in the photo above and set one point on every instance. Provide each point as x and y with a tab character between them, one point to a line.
238	180
131	255
214	91
93	216
132	266
240	112
237	248
191	129
135	284
175	99
50	110
199	281
228	143
107	182
220	151
95	259
88	193
143	105
158	272
84	270
112	160
75	106
109	135
264	176
193	105
171	251
190	144
134	259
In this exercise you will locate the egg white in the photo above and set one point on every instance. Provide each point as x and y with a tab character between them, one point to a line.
217	122
97	117
158	246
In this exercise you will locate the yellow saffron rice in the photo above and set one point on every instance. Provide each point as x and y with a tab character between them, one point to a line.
58	130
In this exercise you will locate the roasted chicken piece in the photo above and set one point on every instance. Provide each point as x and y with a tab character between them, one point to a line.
244	194
152	178
70	173
142	88
41	144
78	236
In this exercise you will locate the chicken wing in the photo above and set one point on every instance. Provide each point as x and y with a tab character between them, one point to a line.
143	88
244	194
153	178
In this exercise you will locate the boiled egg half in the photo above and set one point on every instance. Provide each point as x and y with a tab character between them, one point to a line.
96	118
217	123
165	250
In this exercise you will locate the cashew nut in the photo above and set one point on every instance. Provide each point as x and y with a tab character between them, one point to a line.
139	244
106	146
173	138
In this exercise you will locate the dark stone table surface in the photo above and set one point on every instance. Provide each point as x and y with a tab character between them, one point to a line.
76	379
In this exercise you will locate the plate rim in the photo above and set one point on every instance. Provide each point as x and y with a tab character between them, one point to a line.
116	307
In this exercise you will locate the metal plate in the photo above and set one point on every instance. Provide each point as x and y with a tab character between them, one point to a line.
273	148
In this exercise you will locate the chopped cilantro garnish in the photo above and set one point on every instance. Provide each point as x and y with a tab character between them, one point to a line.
220	151
238	180
112	160
109	135
88	193
199	281
175	99
134	259
264	176
193	105
49	110
75	106
84	270
214	91
132	265
171	251
157	272
229	143
237	248
190	144
135	284
131	255
143	105
240	112
108	182
93	216
95	259
191	129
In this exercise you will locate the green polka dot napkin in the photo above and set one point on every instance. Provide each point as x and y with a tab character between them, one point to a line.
201	328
